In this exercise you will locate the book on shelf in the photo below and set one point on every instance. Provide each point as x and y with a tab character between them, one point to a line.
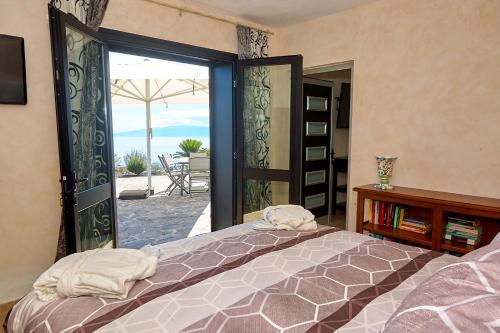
378	236
395	216
463	230
462	240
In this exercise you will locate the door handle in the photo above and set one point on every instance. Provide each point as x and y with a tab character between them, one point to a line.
81	180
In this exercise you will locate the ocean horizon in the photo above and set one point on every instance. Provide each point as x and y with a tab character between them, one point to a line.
159	145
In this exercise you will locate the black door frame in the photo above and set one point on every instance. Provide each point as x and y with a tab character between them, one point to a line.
293	175
118	41
69	200
129	43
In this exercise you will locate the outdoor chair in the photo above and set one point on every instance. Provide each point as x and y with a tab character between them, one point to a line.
175	176
199	171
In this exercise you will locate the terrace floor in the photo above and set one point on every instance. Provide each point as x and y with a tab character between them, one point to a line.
159	218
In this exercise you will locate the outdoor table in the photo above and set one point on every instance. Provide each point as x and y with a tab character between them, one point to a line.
183	162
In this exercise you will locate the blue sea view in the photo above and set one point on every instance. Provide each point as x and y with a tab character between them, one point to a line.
159	145
170	124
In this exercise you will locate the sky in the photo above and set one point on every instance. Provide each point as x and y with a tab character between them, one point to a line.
129	117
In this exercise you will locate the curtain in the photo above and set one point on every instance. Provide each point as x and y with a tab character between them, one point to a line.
253	43
88	118
89	12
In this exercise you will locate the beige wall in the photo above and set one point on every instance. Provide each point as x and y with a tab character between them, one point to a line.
29	187
426	89
149	19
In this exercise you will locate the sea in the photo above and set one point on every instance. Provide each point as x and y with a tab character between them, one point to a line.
159	145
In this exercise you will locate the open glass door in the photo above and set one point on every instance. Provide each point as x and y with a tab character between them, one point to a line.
269	133
84	128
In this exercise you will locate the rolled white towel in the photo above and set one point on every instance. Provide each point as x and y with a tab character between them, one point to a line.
293	215
102	273
286	217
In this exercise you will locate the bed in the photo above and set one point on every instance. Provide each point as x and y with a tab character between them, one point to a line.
242	280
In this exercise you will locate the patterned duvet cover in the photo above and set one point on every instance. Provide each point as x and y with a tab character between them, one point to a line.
242	280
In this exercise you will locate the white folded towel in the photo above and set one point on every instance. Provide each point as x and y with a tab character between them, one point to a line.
101	273
286	217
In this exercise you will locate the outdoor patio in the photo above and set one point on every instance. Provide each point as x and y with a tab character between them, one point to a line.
160	218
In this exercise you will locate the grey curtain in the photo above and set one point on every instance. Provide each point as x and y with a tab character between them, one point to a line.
253	43
87	105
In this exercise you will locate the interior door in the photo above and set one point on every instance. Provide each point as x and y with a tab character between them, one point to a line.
269	139
84	128
317	105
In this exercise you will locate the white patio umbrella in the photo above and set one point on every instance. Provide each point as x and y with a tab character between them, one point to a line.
139	80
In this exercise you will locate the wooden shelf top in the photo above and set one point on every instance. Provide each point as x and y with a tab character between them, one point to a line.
409	236
457	247
435	197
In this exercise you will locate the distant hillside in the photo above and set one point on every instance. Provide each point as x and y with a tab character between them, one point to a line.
170	131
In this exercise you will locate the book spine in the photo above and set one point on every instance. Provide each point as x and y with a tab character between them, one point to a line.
370	215
396	217
381	214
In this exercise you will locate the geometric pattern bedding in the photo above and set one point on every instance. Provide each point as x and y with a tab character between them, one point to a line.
462	297
242	280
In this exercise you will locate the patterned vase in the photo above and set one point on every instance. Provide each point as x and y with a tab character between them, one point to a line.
385	165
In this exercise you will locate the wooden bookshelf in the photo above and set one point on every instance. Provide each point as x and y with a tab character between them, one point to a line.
435	206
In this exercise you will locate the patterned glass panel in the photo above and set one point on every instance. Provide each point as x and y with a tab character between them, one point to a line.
317	103
314	201
314	128
315	177
95	226
279	190
87	86
266	116
315	153
88	110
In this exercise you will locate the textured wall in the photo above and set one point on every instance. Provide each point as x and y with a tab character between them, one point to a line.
426	88
29	188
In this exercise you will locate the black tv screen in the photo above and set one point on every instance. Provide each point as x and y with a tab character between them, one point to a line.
12	70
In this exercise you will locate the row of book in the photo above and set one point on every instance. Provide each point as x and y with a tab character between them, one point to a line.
463	230
396	217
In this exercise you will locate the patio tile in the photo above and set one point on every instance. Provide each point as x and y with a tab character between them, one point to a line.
158	219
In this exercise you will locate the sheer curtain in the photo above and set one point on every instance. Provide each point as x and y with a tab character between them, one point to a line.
253	43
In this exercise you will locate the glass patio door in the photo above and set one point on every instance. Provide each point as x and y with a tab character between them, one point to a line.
84	128
269	133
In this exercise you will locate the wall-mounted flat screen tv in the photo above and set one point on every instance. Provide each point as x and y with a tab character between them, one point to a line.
12	70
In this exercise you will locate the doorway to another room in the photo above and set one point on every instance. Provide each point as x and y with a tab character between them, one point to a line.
161	134
327	114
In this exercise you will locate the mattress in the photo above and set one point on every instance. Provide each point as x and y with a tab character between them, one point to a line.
242	280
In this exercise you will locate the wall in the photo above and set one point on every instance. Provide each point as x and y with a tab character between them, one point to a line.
29	181
425	88
29	188
149	19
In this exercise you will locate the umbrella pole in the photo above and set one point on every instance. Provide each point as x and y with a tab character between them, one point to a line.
148	130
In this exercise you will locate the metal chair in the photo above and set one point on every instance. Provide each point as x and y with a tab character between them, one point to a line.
199	170
175	176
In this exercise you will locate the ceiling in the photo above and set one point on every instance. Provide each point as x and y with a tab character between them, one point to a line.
279	13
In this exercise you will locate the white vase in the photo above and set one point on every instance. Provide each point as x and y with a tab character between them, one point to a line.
385	165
